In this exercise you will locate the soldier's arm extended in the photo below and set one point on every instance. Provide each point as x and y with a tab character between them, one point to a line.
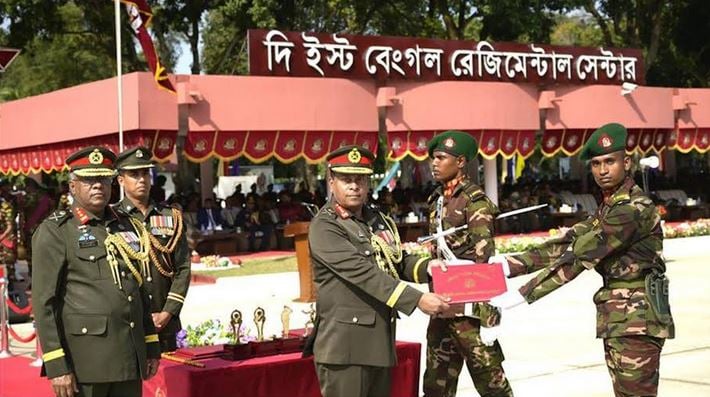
49	260
548	253
331	248
181	279
612	234
414	268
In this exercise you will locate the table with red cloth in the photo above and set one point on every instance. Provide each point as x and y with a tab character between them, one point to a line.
273	376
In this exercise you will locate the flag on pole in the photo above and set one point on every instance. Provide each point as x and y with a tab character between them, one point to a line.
140	15
519	166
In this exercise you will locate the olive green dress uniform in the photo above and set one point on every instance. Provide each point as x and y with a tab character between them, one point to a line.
359	293
168	277
451	341
93	320
623	242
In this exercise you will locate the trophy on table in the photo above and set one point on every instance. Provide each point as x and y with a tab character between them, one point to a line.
286	320
236	322
259	320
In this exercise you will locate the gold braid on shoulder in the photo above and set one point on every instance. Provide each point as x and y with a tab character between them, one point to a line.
386	254
168	248
116	245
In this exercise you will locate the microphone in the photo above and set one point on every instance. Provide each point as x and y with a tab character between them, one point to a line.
650	162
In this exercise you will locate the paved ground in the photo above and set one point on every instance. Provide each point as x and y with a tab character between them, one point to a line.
550	346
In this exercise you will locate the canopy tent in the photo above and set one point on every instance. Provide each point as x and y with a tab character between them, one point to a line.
291	118
503	117
228	116
574	112
693	132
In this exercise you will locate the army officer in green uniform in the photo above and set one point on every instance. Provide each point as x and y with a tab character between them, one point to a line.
471	338
358	267
623	242
168	276
93	319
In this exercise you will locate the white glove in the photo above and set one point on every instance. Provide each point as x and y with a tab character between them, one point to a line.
502	260
508	299
489	335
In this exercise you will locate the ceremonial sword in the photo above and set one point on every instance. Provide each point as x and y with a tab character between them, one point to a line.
451	230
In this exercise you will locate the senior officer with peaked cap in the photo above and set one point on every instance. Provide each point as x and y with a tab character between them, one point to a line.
167	278
93	319
358	269
623	242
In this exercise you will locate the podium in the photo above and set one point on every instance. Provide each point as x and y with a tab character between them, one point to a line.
299	232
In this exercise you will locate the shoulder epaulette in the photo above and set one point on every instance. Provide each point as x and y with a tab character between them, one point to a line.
59	216
621	197
474	192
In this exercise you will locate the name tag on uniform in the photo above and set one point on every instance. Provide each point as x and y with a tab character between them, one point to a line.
161	225
132	239
86	239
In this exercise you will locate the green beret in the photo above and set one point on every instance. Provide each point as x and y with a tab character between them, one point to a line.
608	138
456	143
351	159
134	159
92	161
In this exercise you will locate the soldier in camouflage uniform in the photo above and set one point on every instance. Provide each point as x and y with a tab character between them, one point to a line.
623	242
470	338
358	268
168	276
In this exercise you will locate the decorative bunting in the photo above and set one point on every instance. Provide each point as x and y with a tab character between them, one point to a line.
660	140
633	138
489	144
289	146
686	140
199	145
316	145
259	145
229	145
508	143
398	142
551	142
572	141
368	140
341	139
418	144
163	145
526	143
702	140
646	140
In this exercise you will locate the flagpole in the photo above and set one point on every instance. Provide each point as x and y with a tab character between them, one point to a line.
119	74
117	11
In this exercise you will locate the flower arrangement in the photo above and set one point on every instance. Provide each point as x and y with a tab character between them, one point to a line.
701	227
518	244
422	250
211	332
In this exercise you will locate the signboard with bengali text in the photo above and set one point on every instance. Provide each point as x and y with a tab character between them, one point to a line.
300	54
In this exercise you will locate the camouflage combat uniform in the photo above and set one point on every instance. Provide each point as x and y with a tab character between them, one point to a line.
453	340
623	242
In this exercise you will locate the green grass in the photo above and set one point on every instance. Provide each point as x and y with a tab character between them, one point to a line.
256	266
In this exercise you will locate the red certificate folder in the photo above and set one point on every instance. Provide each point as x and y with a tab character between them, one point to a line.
469	282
